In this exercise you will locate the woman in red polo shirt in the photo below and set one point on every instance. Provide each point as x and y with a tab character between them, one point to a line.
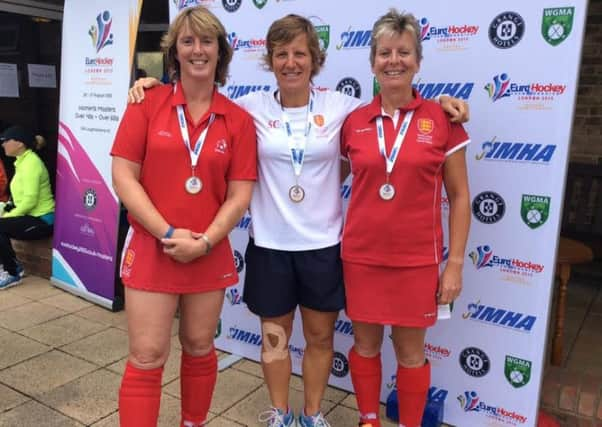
184	165
401	149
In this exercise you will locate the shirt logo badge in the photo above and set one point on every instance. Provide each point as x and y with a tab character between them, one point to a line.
425	126
221	146
319	120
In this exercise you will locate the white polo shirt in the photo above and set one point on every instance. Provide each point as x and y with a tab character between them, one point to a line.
316	221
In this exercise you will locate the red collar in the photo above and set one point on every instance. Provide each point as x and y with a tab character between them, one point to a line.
375	107
218	101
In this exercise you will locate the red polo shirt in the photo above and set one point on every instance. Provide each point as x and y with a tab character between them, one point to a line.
149	134
404	231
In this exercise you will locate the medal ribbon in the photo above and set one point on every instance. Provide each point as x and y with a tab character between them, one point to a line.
297	145
380	131
195	151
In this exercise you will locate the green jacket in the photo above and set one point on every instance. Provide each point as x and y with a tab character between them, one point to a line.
30	187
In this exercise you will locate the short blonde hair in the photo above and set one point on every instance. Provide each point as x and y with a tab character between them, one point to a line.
201	21
284	30
396	23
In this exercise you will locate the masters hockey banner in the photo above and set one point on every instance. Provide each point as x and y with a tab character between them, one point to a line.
97	51
503	59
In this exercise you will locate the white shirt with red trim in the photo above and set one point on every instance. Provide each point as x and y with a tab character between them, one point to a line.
404	231
277	221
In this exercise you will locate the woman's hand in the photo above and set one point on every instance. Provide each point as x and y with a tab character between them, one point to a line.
183	247
136	92
450	283
456	108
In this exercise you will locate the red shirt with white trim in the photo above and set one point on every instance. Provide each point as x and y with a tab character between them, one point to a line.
405	231
149	134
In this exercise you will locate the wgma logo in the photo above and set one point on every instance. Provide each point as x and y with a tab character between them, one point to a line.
354	39
455	89
101	32
243	336
470	402
499	317
516	152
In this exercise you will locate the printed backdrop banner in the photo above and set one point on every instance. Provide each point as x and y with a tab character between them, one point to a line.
97	51
488	358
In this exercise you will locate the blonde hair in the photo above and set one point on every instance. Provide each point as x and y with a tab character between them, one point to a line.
200	21
395	23
284	30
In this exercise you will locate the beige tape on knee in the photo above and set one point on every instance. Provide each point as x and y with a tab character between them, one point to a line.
272	353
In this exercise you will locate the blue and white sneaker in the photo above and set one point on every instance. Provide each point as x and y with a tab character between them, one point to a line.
317	420
7	280
277	418
20	270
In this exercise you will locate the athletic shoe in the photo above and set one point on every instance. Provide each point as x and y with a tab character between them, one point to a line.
6	280
20	270
277	418
317	420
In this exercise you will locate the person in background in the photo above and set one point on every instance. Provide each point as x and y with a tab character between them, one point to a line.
30	213
293	256
402	148
184	166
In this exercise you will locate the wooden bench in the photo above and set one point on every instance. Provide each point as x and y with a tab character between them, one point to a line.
35	255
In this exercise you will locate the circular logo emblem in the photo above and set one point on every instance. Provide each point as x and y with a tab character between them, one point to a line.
488	207
474	362
349	86
239	261
340	365
506	30
89	199
231	5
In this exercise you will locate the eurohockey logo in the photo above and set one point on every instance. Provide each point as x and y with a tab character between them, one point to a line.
234	297
536	92
236	91
500	88
354	39
101	33
460	90
470	402
520	152
252	45
499	317
483	257
448	33
243	336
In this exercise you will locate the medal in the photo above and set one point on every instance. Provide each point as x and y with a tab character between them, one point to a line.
193	185
386	191
296	145
296	193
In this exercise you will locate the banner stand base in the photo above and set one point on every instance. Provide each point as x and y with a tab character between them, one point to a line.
96	299
228	361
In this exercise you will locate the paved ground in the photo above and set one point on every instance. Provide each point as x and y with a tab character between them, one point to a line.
61	359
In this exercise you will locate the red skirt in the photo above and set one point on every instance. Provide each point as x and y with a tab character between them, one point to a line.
398	296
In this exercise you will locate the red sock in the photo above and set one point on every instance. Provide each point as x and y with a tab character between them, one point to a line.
412	390
366	376
197	381
140	397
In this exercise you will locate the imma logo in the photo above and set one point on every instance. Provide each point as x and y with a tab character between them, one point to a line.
247	337
456	89
101	32
499	317
511	151
354	39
